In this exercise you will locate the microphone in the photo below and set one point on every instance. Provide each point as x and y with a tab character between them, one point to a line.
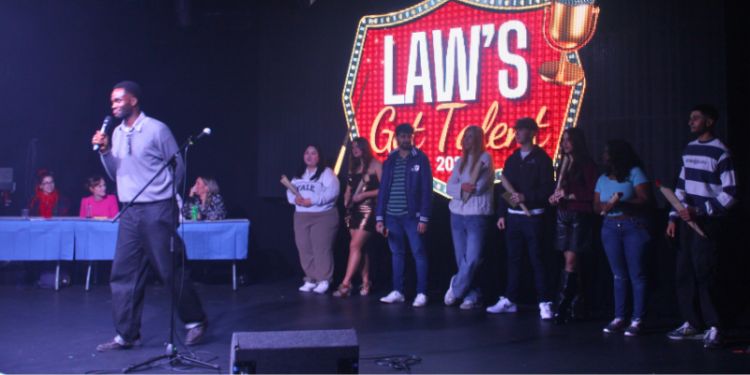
105	123
205	132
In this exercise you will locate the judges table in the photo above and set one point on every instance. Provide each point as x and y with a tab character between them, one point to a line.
66	239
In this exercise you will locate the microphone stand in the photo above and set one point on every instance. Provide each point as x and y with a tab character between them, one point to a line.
171	350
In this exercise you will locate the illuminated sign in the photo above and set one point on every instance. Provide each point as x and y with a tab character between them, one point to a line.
443	65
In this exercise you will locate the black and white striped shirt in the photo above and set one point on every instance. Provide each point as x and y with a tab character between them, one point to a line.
707	179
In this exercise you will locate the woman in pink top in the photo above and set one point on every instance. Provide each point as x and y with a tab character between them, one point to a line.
99	204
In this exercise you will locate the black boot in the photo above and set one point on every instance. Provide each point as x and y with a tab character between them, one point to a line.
578	310
568	289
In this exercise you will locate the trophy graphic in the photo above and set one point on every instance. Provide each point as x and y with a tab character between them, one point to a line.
568	26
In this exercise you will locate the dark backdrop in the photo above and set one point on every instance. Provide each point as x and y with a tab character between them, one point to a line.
267	77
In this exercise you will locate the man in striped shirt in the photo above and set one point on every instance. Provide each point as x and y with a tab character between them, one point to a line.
707	189
403	211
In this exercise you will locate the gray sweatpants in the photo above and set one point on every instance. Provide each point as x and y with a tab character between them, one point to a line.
314	233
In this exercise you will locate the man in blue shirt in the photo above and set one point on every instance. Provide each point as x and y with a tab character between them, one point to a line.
403	211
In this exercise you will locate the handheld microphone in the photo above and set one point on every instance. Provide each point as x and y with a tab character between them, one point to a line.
105	123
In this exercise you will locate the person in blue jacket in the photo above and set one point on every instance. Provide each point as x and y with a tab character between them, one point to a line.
403	212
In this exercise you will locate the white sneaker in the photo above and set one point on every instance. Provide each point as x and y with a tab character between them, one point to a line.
307	287
469	304
545	310
420	301
393	297
503	305
321	288
450	298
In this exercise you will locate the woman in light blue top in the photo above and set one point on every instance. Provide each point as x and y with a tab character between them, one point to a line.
621	194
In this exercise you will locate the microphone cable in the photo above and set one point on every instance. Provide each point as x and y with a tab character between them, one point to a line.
398	362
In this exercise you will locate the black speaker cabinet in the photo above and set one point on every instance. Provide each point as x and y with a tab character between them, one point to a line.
325	351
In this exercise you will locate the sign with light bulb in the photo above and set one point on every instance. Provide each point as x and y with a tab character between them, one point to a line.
443	65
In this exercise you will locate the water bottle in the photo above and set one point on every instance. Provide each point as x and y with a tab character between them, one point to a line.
194	213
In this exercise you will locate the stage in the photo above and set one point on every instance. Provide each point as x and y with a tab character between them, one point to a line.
56	332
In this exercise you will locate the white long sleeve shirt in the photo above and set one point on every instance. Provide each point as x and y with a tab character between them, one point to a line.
322	192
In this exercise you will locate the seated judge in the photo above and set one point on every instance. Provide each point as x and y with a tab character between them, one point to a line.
47	201
99	204
204	201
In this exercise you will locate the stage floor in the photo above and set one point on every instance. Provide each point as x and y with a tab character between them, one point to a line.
42	331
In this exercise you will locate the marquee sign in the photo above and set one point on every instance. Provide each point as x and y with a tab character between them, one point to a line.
443	65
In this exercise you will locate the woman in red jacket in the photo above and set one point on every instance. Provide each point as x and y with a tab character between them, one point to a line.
47	200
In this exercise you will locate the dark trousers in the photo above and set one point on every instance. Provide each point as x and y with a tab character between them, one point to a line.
143	238
697	271
525	233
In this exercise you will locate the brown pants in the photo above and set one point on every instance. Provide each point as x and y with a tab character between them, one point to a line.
314	233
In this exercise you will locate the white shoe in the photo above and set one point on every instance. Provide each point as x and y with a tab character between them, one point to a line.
469	304
503	305
321	288
393	297
420	301
307	287
545	310
450	298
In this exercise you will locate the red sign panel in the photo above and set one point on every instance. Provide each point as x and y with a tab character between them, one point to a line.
443	65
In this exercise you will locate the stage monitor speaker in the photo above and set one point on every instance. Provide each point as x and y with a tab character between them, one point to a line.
324	351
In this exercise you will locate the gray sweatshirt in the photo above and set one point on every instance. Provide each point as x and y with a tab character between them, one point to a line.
136	154
480	202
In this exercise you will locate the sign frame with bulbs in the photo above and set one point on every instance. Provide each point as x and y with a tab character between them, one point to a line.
442	65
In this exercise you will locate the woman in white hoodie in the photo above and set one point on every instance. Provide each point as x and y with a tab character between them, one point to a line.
316	219
471	187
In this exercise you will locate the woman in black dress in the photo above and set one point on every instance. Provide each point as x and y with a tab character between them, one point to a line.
362	185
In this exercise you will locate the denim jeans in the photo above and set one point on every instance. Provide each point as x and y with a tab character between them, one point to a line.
625	242
524	233
402	229
468	243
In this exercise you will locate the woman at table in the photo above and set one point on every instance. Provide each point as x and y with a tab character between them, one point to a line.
316	219
99	204
47	200
362	185
204	201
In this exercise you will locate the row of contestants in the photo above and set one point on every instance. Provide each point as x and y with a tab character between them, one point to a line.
400	208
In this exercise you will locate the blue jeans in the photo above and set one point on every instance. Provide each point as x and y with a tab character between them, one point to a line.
625	244
525	233
468	243
401	229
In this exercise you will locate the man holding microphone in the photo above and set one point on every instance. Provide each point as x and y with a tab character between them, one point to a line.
140	146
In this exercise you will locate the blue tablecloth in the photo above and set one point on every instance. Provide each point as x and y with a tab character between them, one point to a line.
59	239
36	239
